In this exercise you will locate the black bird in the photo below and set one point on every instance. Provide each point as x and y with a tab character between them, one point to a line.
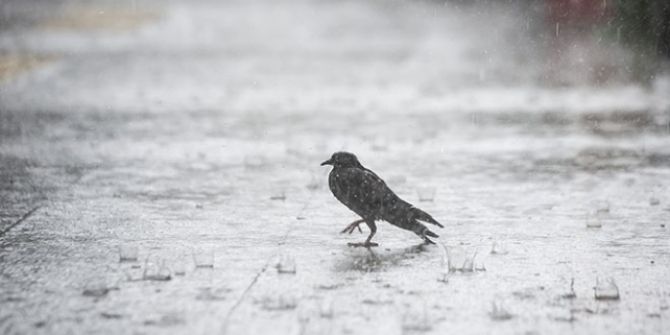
362	191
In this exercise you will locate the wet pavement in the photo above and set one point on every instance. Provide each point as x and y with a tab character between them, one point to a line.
186	138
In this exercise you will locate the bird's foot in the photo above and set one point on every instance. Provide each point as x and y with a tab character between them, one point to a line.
363	244
352	226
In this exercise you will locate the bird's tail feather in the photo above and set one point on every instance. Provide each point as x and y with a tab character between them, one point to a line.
416	227
425	217
430	233
408	217
427	233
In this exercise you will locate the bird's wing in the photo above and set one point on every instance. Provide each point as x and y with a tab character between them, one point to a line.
363	192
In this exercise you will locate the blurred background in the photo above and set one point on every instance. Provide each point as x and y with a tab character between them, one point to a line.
580	41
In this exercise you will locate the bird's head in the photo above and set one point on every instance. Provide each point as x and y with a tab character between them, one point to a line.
343	159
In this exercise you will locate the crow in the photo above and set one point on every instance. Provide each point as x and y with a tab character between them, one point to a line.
367	195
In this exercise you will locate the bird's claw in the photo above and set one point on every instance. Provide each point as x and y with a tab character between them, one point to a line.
351	227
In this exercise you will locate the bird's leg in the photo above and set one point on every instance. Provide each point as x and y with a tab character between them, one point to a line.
367	243
373	231
352	226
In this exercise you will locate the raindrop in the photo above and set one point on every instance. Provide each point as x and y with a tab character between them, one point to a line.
286	265
426	194
203	258
128	253
499	311
606	289
156	270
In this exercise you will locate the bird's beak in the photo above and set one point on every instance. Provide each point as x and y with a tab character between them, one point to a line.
328	162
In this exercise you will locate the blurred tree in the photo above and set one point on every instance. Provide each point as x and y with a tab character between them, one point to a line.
595	27
644	27
580	13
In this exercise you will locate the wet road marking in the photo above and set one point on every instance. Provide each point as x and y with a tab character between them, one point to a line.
253	282
21	219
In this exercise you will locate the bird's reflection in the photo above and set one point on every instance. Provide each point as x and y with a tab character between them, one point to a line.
376	259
